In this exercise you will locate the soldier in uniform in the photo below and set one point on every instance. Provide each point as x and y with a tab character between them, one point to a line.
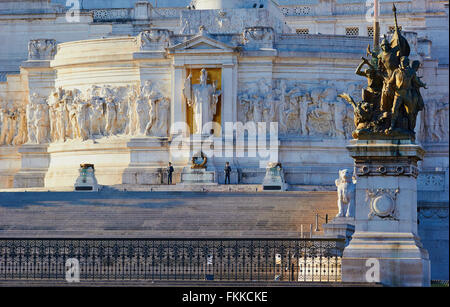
227	171
389	60
403	83
170	171
374	81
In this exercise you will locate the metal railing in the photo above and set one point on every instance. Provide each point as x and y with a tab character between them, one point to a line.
295	260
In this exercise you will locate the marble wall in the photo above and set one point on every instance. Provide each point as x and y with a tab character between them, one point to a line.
107	92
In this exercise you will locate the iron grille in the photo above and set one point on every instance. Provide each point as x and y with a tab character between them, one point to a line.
295	260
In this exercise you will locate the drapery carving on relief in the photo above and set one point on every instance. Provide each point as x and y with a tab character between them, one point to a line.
83	114
434	122
299	108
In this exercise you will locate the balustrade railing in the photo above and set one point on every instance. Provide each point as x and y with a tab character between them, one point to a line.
295	260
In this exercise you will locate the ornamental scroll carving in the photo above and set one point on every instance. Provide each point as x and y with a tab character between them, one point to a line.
42	49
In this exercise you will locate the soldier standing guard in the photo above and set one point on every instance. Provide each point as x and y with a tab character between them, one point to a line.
170	171
227	171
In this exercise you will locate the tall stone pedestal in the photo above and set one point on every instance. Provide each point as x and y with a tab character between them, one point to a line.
35	163
148	161
385	246
274	179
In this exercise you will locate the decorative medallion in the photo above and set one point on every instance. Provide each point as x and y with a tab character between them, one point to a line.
382	203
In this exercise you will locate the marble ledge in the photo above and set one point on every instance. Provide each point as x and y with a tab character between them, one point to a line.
385	148
36	64
152	55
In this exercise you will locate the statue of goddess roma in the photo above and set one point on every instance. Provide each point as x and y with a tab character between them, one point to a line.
203	98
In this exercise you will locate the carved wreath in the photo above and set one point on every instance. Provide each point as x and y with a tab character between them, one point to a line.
197	165
382	203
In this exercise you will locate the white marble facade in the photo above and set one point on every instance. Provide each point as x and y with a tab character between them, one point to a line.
114	85
106	89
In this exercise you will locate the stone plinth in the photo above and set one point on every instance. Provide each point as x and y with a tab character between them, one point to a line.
340	227
9	165
198	176
35	163
148	161
86	182
111	158
118	160
386	216
274	179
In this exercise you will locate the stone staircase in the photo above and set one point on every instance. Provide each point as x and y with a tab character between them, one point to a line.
170	214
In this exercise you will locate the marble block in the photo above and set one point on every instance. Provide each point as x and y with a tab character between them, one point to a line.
10	162
274	179
386	238
86	182
35	163
340	227
197	176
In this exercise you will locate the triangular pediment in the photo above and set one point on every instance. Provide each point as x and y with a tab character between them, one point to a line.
200	44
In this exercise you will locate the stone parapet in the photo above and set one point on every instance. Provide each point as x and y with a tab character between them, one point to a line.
385	246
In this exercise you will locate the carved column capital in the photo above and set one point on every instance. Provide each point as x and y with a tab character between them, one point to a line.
42	49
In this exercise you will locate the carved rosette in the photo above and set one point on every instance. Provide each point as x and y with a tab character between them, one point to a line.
387	170
382	203
42	49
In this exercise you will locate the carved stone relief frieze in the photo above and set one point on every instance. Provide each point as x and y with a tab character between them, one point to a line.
259	37
299	108
82	114
154	39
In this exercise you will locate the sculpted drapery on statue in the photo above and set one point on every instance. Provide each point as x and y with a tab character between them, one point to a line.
92	113
392	100
203	98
